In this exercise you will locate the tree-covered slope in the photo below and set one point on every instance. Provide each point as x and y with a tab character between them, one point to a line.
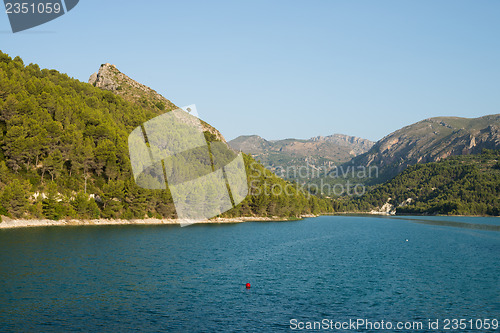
463	185
64	154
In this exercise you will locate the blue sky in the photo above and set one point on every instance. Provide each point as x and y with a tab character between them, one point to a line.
284	69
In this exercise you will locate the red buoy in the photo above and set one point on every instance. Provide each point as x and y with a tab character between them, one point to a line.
248	285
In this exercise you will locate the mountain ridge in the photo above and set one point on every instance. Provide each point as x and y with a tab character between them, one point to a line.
110	78
431	140
319	151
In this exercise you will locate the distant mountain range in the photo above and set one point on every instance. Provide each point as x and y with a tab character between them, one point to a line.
429	140
318	151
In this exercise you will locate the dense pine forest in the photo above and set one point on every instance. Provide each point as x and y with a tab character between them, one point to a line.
457	185
64	154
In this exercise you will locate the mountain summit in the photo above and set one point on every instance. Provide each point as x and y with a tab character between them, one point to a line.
110	78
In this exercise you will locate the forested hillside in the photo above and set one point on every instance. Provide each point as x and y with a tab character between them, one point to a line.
64	154
458	185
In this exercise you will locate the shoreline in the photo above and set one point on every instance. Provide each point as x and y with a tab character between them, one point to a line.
375	213
8	223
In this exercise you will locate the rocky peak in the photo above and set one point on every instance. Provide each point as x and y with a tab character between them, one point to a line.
110	78
358	145
106	78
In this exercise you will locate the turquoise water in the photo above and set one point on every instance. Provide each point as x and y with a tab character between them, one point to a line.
192	279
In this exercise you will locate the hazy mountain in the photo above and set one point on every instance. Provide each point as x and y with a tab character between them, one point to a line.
250	144
431	140
357	145
317	151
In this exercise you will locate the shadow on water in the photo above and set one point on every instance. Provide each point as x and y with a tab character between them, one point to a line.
464	225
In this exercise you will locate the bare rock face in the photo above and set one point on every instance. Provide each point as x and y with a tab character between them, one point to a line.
357	145
93	79
105	78
110	78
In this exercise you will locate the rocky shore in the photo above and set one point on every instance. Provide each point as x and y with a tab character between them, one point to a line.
20	223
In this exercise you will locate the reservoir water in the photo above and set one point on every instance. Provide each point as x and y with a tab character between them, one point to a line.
192	279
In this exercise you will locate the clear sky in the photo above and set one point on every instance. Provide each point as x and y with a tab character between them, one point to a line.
284	69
